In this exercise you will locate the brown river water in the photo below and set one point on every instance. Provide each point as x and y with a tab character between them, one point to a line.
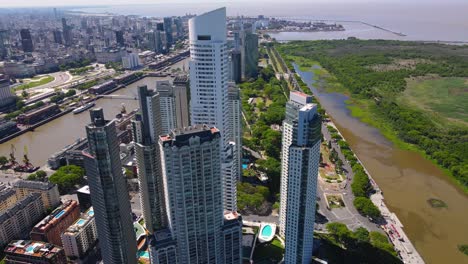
407	181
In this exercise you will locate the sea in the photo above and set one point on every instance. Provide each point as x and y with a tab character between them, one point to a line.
429	20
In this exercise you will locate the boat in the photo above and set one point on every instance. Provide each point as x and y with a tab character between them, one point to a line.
83	108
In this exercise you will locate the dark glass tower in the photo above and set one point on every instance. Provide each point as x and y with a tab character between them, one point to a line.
109	194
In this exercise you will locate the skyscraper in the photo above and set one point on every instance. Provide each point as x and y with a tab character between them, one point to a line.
193	186
146	130
167	105
181	102
109	194
235	124
3	43
26	40
300	162
67	34
251	55
119	37
168	30
209	89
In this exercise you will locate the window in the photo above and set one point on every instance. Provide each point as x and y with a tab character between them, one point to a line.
204	37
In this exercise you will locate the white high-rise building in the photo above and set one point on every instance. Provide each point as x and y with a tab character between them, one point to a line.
209	74
130	61
167	105
300	162
235	123
193	187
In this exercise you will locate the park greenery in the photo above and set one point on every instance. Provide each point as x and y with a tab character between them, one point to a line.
61	95
67	177
39	175
250	197
87	85
81	70
34	83
342	245
268	108
3	161
387	82
75	64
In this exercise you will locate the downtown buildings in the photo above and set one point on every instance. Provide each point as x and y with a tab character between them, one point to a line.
109	194
300	162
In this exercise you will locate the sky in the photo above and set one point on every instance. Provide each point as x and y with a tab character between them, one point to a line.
48	3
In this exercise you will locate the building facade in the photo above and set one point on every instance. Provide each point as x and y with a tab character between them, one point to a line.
8	197
16	221
181	101
209	74
7	98
167	106
251	55
146	130
49	191
235	122
300	161
109	194
53	225
193	187
81	236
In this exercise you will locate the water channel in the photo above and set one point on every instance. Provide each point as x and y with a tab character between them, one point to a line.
408	181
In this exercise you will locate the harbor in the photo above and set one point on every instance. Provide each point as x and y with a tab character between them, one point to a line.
54	135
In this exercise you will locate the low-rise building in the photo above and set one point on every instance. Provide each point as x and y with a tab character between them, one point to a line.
16	221
53	225
8	197
7	98
34	116
49	192
80	237
8	128
26	251
102	88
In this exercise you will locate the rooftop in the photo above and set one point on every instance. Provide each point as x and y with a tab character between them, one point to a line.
81	222
180	136
6	192
36	185
19	206
56	216
32	248
84	189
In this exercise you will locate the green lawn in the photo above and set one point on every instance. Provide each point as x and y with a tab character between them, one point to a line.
443	97
35	82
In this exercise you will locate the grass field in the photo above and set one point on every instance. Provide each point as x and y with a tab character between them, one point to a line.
35	82
443	97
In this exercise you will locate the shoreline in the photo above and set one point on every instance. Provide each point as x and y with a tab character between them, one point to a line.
405	246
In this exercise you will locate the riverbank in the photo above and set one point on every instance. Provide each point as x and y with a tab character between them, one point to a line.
401	242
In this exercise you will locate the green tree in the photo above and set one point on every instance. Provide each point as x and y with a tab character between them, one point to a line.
67	177
361	234
32	177
366	207
41	175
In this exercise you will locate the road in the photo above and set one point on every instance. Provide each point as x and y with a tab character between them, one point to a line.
347	215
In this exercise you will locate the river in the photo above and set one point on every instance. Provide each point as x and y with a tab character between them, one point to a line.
408	181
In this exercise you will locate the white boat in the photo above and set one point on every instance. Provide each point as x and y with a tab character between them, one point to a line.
83	108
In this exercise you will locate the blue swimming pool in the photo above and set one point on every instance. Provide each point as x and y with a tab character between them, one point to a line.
245	166
60	214
266	231
80	222
143	254
90	212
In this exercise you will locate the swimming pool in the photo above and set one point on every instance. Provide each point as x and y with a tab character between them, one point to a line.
245	166
266	231
80	222
90	212
59	214
143	254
